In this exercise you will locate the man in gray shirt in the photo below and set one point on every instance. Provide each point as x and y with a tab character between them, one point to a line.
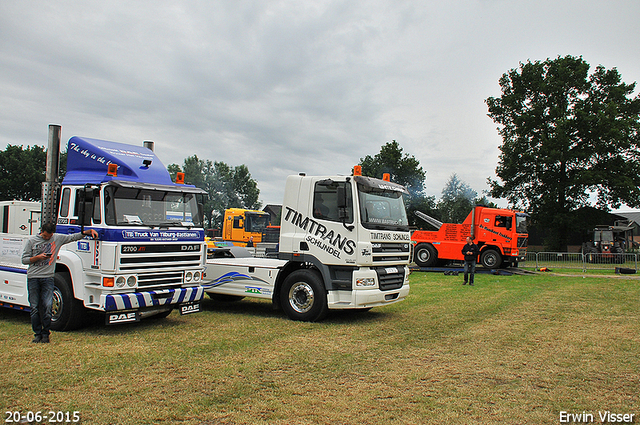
40	253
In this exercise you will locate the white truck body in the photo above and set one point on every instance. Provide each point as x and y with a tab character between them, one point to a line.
146	261
20	217
344	244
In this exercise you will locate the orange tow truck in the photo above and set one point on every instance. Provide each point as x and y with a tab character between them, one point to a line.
501	235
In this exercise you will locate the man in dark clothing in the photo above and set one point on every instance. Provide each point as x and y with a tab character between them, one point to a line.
40	253
470	252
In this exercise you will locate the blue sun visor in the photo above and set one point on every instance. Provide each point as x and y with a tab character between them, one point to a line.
88	162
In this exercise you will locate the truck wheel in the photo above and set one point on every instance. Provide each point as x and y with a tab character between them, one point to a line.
303	296
67	313
425	255
490	259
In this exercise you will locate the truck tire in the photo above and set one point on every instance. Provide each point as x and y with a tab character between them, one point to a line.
303	296
67	313
425	255
490	259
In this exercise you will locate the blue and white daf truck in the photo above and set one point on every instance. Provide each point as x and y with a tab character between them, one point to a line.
344	244
150	255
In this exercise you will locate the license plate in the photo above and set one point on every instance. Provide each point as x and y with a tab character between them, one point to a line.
189	308
124	317
391	270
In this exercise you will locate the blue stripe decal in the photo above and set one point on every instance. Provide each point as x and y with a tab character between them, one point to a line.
181	296
140	298
15	306
154	301
140	234
176	296
13	269
110	303
232	277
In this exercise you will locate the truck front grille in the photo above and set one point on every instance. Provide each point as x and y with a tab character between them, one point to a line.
383	251
390	278
160	279
159	264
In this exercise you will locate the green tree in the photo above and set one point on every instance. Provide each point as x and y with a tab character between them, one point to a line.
569	139
404	169
458	198
22	173
227	187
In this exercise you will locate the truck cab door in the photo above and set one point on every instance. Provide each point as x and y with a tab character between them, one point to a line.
88	212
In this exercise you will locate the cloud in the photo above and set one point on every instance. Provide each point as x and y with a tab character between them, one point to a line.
286	86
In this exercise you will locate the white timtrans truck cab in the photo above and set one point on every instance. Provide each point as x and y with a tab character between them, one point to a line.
150	255
344	244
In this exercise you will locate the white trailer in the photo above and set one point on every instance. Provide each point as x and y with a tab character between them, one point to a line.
20	217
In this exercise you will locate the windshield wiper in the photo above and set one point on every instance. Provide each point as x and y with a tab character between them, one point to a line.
174	223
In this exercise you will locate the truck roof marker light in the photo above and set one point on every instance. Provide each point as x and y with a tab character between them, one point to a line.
357	170
386	177
180	178
108	282
112	170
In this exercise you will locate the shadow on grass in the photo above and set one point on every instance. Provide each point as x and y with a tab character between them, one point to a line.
94	322
245	307
248	307
14	317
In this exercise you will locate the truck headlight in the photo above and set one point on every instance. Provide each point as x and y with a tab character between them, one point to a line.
131	281
196	276
120	281
365	281
188	277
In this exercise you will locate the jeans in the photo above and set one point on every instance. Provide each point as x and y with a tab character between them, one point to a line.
40	301
469	268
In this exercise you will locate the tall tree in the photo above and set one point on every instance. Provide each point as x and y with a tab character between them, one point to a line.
227	187
404	169
22	171
568	137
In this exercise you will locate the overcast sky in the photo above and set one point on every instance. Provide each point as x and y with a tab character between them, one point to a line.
292	86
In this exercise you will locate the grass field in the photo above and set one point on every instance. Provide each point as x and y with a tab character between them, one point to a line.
510	350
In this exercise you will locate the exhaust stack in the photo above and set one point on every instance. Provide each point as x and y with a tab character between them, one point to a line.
51	186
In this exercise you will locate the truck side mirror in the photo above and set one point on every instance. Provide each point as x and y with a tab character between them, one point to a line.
341	194
201	213
85	206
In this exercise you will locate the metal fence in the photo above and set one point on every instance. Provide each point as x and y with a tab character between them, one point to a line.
573	260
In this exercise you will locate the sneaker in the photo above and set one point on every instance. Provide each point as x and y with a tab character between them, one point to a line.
37	339
45	339
471	284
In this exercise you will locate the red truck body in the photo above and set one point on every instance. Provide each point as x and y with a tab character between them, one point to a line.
500	234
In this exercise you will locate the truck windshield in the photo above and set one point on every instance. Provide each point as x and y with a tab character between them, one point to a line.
256	222
382	209
521	223
132	206
603	236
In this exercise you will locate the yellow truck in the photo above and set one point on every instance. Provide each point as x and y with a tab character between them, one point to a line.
244	227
